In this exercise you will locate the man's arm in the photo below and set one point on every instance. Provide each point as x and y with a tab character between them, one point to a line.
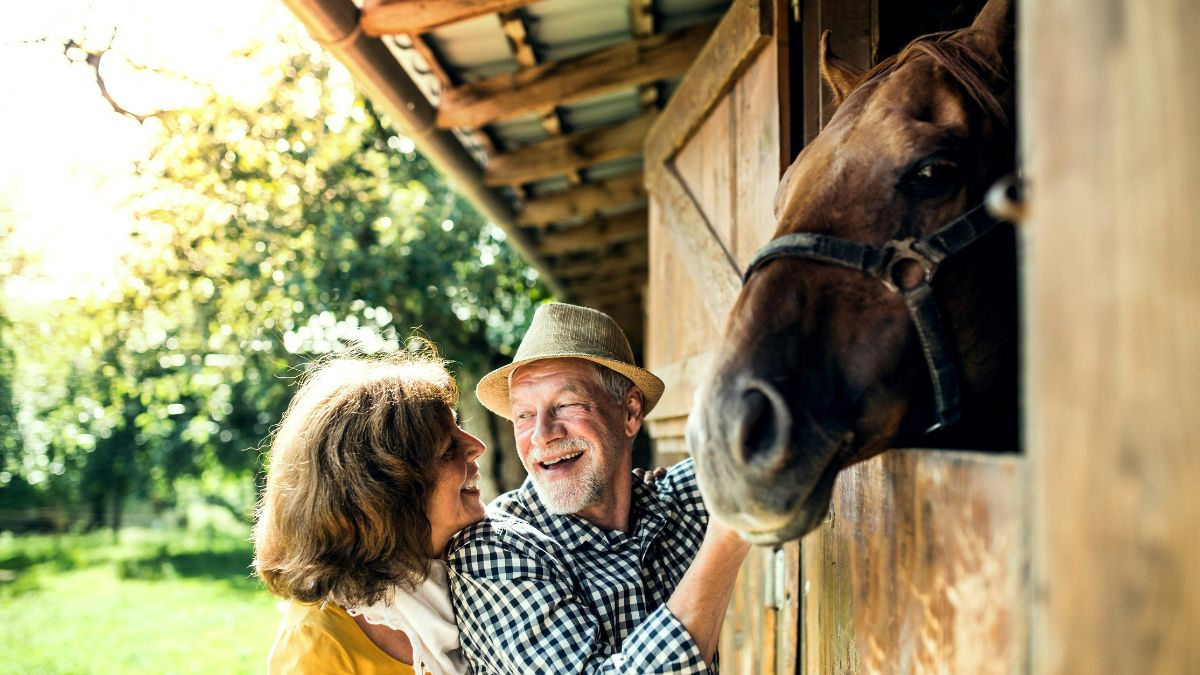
702	596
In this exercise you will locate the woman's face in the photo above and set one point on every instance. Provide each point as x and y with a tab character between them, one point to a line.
455	501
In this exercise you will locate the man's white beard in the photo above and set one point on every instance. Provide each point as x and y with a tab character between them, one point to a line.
563	497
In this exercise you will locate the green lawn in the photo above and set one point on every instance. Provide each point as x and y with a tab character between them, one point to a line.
155	603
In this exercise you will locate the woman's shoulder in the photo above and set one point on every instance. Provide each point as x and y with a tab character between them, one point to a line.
315	638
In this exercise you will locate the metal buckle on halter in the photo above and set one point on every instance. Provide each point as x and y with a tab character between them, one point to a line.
907	267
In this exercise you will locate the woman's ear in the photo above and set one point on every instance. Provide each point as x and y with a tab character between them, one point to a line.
634	402
841	76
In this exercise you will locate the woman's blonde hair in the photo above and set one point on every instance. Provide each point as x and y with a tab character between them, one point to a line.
351	467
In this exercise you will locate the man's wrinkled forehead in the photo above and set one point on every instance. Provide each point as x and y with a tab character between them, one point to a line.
565	375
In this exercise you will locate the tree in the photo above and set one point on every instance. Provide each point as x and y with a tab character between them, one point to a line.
270	233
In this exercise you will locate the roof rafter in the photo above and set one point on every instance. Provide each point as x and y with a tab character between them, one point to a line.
583	200
559	155
600	233
393	17
528	91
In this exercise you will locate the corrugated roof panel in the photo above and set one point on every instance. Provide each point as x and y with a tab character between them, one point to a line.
602	110
562	29
473	49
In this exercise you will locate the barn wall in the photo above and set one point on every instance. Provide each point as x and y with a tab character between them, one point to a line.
730	167
1111	119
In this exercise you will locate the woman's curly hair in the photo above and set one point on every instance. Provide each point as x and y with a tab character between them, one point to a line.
351	467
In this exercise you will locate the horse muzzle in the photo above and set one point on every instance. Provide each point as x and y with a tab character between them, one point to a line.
764	468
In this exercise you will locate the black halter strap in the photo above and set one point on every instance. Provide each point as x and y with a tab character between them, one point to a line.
905	266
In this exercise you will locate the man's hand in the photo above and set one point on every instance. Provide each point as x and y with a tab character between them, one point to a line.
650	477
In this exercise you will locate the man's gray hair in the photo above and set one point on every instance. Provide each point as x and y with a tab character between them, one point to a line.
615	384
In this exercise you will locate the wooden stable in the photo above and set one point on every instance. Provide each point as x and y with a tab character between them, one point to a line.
1075	553
953	561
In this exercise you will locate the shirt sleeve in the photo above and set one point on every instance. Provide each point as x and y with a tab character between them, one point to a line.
518	614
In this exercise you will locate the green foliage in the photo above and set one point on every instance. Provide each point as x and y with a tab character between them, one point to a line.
269	234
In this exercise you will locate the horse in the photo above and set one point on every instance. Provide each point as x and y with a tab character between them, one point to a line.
843	342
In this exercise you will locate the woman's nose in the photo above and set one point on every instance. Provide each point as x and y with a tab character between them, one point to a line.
475	449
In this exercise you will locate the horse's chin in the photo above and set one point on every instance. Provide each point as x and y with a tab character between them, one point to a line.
764	509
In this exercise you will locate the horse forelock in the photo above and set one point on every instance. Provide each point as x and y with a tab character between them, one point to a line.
974	71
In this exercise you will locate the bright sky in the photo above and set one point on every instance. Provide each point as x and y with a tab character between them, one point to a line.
68	164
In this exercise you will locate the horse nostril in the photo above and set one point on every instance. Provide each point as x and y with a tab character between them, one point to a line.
761	432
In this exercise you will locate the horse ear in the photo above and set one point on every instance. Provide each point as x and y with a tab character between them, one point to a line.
995	28
841	76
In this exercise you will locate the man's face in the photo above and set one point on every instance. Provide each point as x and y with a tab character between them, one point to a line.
572	437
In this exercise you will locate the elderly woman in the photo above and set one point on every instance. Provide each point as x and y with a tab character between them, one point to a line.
369	477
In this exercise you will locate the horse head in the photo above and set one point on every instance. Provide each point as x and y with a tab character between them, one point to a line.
823	366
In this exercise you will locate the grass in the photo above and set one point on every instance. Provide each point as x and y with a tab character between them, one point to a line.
155	602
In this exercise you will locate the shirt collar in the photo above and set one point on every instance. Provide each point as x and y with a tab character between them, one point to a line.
647	515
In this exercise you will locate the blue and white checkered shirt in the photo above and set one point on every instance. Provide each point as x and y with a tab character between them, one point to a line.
538	592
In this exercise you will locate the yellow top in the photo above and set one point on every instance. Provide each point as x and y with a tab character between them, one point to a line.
316	640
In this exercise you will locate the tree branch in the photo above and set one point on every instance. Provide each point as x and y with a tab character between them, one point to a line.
92	59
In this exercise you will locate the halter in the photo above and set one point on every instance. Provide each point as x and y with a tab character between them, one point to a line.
905	266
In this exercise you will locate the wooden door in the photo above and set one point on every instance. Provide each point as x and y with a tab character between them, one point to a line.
712	165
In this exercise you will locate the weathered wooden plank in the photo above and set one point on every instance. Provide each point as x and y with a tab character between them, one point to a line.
394	17
708	263
556	156
596	235
677	326
583	200
759	161
681	378
1110	127
745	29
627	64
707	167
919	568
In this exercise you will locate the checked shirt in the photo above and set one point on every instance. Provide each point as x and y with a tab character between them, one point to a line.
538	592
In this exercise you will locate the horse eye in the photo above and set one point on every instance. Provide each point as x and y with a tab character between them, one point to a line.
936	177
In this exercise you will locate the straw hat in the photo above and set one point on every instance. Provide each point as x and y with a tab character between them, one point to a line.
562	331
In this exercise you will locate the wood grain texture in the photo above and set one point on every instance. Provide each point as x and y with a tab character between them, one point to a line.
583	200
746	28
559	155
1111	108
713	273
501	97
393	17
919	568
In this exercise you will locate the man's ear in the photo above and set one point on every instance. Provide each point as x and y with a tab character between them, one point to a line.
633	411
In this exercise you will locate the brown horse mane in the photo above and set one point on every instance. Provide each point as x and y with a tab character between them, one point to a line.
973	71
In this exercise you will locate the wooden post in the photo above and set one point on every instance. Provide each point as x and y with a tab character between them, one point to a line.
1111	142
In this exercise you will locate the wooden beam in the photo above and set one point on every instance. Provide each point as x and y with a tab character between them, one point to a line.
601	233
561	155
527	91
739	37
393	17
613	291
602	264
641	19
583	200
517	33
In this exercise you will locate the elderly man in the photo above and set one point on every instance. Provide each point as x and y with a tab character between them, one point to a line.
584	568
